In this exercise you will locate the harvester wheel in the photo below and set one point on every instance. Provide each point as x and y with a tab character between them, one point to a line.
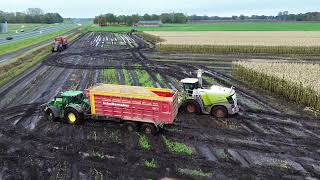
49	115
72	116
219	112
130	126
148	128
192	107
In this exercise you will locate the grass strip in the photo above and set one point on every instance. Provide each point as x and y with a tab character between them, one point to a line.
144	78
161	80
209	80
143	142
193	172
22	63
176	146
127	79
150	163
109	76
13	46
18	65
227	26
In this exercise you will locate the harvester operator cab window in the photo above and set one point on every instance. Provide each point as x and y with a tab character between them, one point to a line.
189	87
190	84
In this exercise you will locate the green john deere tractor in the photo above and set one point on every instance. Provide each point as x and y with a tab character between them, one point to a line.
70	106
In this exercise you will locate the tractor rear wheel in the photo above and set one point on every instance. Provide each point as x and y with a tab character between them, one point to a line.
130	126
72	116
49	115
192	107
148	128
219	112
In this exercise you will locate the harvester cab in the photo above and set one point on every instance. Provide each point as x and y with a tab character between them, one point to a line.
70	105
216	100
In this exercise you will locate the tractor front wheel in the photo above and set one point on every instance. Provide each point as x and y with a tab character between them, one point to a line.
72	116
49	115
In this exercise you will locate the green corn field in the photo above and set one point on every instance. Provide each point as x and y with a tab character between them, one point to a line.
295	81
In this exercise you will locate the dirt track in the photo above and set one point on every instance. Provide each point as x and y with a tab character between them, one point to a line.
269	139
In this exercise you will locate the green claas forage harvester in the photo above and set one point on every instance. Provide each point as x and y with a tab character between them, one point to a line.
216	100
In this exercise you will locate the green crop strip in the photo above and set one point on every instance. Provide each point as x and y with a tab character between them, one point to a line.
144	78
127	79
176	146
109	76
193	172
150	163
210	80
161	80
143	142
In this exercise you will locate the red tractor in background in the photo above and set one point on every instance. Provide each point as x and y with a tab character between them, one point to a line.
60	43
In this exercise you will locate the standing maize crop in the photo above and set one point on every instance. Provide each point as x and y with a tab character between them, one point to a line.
298	82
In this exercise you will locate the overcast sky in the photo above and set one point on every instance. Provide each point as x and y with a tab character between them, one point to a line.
91	8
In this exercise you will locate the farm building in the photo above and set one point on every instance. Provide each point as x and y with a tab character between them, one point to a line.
149	23
4	27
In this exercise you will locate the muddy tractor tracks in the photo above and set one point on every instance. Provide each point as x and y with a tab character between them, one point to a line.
269	139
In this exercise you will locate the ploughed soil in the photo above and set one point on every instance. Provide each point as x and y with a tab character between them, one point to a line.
269	139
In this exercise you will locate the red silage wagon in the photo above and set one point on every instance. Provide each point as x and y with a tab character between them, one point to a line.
140	107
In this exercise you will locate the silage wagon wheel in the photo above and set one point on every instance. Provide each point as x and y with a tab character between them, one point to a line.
148	128
219	112
72	116
130	126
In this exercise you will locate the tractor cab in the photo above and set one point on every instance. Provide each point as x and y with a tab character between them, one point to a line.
68	97
69	105
190	84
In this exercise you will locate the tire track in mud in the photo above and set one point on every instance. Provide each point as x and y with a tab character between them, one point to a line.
81	146
119	74
142	62
254	141
9	90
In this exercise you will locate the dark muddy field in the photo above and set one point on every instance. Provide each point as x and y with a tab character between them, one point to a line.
269	139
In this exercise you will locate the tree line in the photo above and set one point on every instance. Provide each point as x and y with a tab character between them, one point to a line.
32	15
282	16
133	19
